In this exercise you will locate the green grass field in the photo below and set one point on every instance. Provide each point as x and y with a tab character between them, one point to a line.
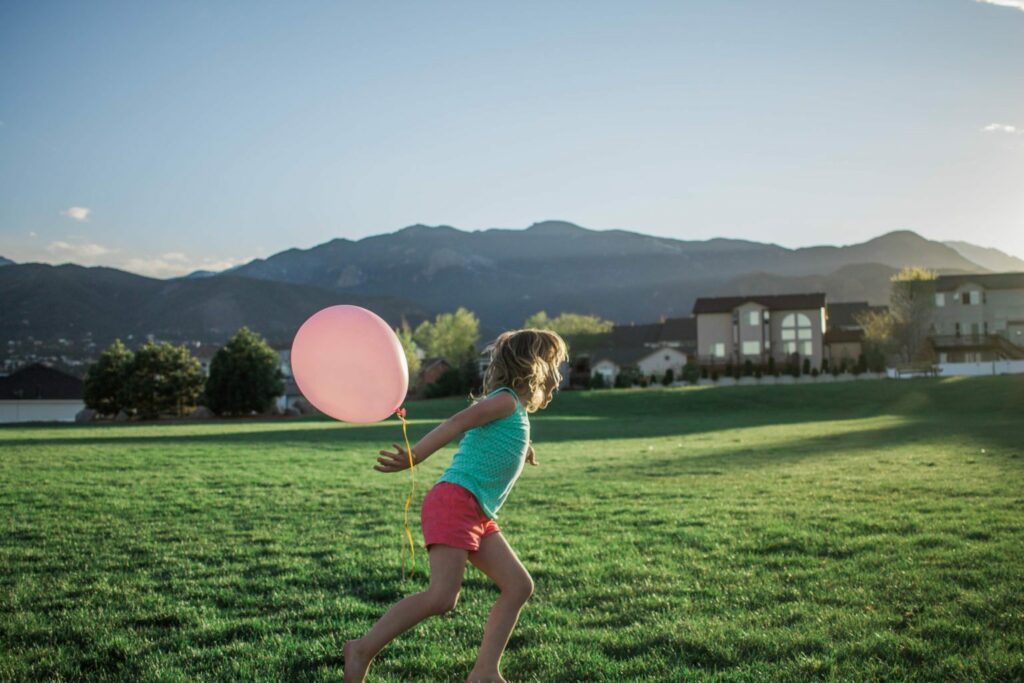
861	531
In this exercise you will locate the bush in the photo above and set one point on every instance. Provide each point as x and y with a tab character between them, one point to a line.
814	372
714	375
704	372
244	376
807	366
748	368
691	373
165	379
771	366
668	377
597	381
824	365
448	384
757	373
106	381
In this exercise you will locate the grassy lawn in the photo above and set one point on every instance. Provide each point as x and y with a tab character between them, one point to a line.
860	531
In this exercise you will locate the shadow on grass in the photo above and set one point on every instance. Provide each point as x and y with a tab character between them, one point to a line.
964	405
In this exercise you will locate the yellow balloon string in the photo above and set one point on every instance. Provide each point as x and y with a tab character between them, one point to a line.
408	501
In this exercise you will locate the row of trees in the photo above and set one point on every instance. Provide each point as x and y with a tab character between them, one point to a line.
454	336
160	379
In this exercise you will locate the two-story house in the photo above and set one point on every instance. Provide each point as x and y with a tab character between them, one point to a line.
758	327
978	317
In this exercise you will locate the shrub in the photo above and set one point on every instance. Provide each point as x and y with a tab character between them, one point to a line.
668	377
166	378
814	372
244	376
757	373
714	375
691	373
704	372
748	368
807	366
597	381
106	380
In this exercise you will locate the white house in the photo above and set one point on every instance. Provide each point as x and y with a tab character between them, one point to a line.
39	393
657	361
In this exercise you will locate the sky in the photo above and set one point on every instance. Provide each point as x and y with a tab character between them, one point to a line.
161	138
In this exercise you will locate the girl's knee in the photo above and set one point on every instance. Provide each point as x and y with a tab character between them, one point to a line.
521	590
441	602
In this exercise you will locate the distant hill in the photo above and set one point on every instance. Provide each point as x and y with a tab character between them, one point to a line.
503	275
992	259
6	261
67	300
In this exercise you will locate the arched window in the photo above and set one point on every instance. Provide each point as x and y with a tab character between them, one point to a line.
796	329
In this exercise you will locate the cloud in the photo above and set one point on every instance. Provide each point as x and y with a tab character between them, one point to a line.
1018	4
75	249
32	233
1002	127
79	213
85	252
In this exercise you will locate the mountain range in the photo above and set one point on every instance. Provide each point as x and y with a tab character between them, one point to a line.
503	275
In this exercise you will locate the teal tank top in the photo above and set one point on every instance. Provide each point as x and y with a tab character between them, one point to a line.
491	458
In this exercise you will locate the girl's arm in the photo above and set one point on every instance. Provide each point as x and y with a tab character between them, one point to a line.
480	413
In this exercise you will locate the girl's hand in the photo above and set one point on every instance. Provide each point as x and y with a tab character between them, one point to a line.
394	462
531	457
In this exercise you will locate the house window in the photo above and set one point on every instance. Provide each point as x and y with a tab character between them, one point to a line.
974	329
808	348
789	347
940	299
958	329
975	298
666	356
754	318
796	326
751	348
718	350
984	328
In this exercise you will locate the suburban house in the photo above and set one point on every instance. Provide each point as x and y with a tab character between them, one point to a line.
978	317
647	361
758	327
844	336
650	349
39	393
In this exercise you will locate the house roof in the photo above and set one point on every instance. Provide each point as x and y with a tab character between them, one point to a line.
679	329
40	382
627	336
837	336
948	283
844	314
624	357
773	302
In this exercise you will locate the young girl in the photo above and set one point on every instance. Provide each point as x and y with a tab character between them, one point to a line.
458	513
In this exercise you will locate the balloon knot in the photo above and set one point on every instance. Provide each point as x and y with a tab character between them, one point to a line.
400	412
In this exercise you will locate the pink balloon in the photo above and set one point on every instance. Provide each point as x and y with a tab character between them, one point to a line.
349	364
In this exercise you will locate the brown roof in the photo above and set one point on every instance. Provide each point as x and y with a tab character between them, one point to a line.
773	302
40	382
679	329
844	314
836	336
947	283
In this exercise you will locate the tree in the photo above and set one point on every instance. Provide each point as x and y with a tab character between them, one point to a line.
245	375
106	380
911	304
163	379
567	324
668	377
409	347
451	336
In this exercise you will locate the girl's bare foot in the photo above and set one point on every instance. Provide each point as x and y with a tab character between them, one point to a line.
356	662
491	677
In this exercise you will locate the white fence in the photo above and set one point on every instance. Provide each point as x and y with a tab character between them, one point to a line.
989	367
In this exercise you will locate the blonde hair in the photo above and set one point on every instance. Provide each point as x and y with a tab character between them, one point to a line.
523	360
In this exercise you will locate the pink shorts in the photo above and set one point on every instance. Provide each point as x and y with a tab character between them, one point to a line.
451	515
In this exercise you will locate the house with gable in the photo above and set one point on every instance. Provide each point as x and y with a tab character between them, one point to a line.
649	349
758	327
978	317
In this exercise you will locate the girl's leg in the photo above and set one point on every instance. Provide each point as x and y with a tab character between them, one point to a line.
497	559
447	566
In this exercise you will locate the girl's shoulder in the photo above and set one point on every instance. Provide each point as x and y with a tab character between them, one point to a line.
495	392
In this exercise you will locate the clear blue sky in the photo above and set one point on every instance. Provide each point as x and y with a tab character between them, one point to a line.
164	137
